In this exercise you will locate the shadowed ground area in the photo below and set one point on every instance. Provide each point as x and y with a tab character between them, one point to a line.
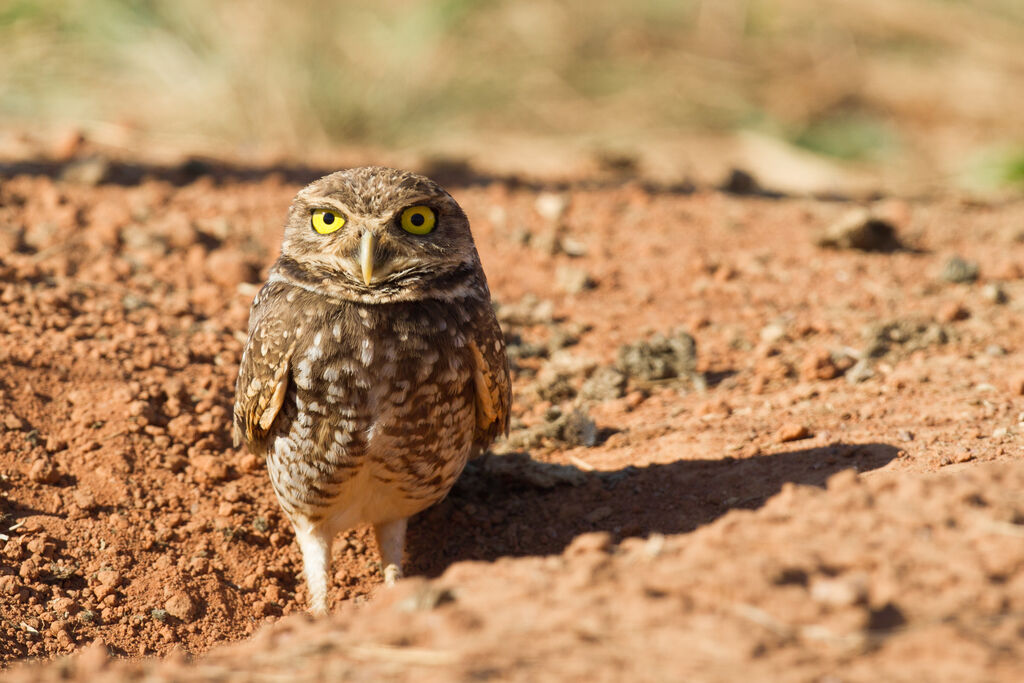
524	507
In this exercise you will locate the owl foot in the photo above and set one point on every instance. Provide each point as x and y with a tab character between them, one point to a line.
392	573
391	543
315	544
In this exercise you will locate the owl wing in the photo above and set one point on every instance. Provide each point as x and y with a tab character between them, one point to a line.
493	387
264	371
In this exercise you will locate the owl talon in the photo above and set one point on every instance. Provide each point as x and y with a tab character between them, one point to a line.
392	573
391	543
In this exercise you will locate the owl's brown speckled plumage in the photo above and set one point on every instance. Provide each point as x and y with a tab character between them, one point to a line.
368	390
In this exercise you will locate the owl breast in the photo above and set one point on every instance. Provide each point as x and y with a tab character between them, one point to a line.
378	419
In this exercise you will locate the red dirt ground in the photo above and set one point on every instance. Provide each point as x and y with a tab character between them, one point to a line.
833	495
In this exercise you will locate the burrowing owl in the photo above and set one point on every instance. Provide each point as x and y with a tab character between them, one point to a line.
375	367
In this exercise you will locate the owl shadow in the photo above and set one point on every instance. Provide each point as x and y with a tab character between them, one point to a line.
512	505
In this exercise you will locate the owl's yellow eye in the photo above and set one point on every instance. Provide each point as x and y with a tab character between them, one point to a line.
325	221
419	220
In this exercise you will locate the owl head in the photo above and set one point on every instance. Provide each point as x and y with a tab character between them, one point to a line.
377	234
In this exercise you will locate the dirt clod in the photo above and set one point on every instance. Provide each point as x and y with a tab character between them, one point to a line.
181	606
903	336
551	206
740	182
108	578
86	171
44	471
597	542
819	364
792	432
527	311
860	229
578	429
959	270
861	371
660	357
572	280
843	591
995	293
211	467
952	312
605	384
560	429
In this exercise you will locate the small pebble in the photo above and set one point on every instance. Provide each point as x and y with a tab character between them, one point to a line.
40	546
108	578
572	280
573	247
248	463
660	357
176	463
595	542
819	364
740	181
199	565
792	432
634	399
952	312
994	293
605	384
232	493
43	471
228	267
578	429
87	171
182	606
861	230
958	270
840	591
860	372
212	466
261	608
551	206
773	332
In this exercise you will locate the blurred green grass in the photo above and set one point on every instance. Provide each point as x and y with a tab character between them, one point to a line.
870	81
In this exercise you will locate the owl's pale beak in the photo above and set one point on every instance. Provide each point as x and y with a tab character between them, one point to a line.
366	248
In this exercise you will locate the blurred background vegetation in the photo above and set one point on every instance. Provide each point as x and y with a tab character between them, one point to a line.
929	91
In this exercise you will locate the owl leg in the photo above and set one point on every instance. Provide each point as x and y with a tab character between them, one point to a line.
315	543
391	542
